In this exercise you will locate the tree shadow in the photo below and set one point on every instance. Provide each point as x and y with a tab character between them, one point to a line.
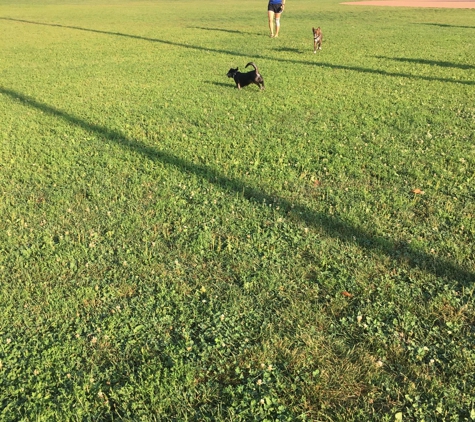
230	31
445	25
428	62
401	252
259	56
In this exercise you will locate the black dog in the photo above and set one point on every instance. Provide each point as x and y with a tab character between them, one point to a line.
244	79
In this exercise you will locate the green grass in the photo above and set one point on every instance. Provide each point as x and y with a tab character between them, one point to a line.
172	248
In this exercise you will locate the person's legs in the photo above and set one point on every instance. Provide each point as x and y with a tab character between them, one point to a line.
277	24
270	15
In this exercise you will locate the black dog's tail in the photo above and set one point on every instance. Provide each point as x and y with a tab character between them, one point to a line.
254	66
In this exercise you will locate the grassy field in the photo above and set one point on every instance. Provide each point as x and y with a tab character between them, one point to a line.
172	248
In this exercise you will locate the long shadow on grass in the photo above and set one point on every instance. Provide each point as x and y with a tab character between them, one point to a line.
428	62
257	56
230	31
445	25
332	226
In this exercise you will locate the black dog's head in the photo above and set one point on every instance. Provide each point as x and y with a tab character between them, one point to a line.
232	72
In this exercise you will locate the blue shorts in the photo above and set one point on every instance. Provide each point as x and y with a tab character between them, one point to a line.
276	8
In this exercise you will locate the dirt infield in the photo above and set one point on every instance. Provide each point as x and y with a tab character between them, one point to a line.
461	4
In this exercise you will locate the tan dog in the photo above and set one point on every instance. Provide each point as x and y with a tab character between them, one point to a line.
317	39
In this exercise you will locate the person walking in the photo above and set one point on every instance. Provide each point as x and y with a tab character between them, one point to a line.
274	10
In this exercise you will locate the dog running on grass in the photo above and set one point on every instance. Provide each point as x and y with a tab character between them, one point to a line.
317	39
244	79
